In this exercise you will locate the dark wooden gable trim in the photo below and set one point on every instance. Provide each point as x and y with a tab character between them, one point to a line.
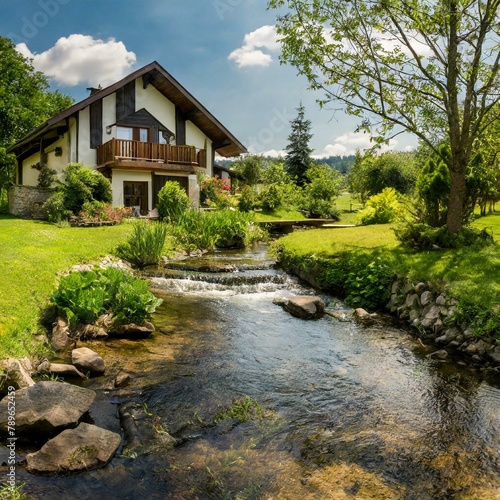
125	100
96	124
180	127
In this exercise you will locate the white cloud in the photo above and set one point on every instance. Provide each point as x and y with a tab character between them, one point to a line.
250	53
347	144
82	59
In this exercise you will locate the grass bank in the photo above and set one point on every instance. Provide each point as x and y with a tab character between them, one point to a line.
471	275
32	253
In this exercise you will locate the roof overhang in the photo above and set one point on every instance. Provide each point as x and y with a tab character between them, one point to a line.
223	141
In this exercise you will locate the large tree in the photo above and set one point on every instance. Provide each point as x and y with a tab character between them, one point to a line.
25	102
298	158
429	67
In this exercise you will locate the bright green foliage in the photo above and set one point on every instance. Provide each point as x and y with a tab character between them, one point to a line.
275	173
320	192
145	245
247	200
25	101
433	187
250	168
381	208
46	177
81	185
372	174
421	236
243	409
86	295
298	158
273	196
215	191
223	228
173	201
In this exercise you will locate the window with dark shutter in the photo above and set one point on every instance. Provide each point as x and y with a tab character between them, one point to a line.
96	124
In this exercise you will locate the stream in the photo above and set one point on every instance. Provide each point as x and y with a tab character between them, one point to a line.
337	410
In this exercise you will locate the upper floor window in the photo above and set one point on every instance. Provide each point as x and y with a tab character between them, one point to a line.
132	134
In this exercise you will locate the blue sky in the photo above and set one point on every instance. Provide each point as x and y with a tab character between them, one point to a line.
224	52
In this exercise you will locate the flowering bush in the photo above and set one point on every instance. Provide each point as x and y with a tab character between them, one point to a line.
215	190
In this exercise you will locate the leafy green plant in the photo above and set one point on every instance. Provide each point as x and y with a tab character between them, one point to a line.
381	208
46	177
84	296
248	199
173	201
421	236
484	322
321	191
81	184
133	302
145	245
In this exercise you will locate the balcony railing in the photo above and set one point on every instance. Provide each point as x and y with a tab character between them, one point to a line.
119	150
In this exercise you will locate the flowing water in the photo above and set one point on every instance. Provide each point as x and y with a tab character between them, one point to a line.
337	410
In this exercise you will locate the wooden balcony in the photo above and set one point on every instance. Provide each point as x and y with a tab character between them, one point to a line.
120	153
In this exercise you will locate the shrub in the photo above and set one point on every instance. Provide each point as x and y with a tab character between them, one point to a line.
46	176
145	245
84	296
421	236
97	211
81	185
247	199
321	191
173	201
381	208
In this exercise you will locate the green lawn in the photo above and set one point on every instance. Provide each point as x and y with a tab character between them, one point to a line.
32	253
470	273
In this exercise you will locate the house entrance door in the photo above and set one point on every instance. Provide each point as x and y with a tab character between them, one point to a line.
135	194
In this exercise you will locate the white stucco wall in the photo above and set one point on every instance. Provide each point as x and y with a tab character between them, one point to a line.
119	176
195	137
73	141
30	175
86	155
156	103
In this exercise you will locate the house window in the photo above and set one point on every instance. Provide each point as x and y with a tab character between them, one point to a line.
135	194
132	134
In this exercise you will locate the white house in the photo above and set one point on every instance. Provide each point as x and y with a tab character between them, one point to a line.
139	132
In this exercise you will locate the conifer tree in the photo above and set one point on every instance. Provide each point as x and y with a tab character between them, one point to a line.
298	158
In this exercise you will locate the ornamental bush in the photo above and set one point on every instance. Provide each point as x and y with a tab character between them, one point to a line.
381	208
81	185
173	201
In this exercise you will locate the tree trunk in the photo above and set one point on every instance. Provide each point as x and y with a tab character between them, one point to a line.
456	204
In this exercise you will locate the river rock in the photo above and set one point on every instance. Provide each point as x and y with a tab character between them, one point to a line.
60	339
83	448
87	360
362	315
426	298
441	354
494	354
305	307
134	331
92	332
59	369
17	372
47	407
122	379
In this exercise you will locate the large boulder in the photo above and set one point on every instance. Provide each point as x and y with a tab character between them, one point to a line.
305	307
87	360
83	448
47	407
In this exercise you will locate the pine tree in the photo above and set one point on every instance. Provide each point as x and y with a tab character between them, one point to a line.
298	158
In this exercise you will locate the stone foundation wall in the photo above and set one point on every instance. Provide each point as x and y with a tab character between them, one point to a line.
27	201
431	312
